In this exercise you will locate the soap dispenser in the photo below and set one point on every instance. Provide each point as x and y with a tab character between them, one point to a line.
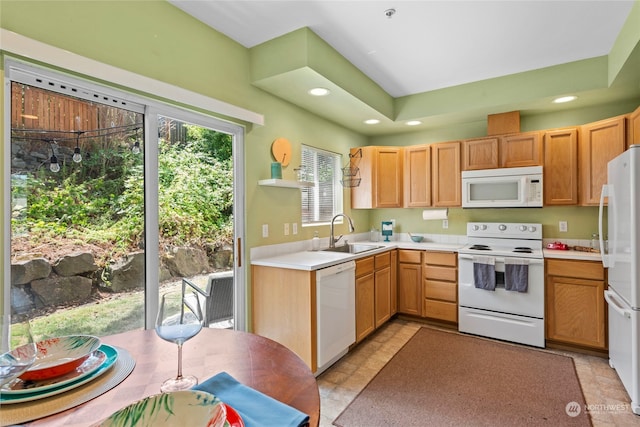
315	242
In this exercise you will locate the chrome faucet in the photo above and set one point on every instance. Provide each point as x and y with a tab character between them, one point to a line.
332	240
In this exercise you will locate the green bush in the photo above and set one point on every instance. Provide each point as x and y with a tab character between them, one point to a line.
101	200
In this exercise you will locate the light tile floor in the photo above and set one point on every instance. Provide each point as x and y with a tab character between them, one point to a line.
606	398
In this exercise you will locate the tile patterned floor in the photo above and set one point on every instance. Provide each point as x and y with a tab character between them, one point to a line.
606	398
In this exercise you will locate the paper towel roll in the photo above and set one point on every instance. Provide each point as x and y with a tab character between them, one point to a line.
431	214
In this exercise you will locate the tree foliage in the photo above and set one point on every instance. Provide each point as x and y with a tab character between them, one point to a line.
101	200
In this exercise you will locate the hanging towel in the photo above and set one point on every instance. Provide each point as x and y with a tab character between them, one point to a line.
484	272
516	274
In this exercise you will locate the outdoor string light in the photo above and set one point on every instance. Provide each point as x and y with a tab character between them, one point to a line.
54	166
77	156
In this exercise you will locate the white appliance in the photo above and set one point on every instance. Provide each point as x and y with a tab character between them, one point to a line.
336	312
623	293
502	188
503	314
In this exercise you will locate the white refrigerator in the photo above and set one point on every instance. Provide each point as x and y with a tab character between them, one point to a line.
622	259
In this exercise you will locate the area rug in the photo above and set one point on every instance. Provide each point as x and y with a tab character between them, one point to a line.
444	378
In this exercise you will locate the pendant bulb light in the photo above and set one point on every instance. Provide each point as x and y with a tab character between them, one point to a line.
77	155
54	166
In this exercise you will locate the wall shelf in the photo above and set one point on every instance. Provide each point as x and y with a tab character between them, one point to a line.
285	183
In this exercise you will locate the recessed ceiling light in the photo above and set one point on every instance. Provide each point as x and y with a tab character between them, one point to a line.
413	123
319	91
372	121
563	99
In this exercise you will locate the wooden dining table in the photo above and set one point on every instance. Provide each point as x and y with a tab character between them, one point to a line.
253	360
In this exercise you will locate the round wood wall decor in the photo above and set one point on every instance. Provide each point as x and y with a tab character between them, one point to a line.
281	150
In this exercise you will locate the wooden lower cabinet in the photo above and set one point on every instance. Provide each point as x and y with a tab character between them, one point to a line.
284	309
394	281
410	282
373	293
382	294
575	307
441	286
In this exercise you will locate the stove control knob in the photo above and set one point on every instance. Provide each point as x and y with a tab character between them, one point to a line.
502	227
523	228
532	228
475	227
483	227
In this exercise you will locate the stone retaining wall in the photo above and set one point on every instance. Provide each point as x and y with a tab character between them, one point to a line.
74	278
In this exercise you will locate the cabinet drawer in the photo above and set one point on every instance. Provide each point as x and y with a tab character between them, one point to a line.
441	258
581	269
408	256
364	266
445	291
441	310
382	260
440	273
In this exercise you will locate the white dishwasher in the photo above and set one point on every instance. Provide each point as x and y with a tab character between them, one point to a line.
336	306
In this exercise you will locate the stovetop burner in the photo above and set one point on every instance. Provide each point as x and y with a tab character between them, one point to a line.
480	247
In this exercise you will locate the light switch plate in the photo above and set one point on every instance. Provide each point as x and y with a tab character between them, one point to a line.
286	228
265	230
445	223
295	227
562	225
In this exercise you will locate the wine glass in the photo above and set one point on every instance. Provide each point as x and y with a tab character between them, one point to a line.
178	320
17	348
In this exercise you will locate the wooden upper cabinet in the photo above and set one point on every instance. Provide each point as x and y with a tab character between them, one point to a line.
522	149
600	142
417	176
381	178
561	167
445	172
633	122
481	153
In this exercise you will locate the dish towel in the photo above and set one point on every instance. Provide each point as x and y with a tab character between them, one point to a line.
484	272
255	408
516	274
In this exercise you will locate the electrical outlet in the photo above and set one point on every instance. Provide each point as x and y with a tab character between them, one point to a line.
393	223
562	225
295	227
445	223
286	228
265	230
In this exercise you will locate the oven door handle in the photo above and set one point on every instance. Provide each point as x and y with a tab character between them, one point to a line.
501	259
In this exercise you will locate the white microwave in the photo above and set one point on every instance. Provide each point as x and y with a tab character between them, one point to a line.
502	188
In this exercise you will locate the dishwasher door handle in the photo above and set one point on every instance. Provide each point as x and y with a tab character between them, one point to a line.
335	269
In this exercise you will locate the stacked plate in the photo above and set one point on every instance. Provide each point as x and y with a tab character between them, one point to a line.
62	364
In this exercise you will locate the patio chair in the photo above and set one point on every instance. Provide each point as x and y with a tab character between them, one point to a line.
217	301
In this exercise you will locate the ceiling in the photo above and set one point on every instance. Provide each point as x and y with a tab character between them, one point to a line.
413	50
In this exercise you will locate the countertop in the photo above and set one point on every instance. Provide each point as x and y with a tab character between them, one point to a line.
313	260
585	256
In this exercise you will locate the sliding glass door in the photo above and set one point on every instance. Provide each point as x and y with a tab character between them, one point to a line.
114	198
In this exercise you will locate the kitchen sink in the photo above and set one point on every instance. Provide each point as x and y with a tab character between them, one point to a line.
353	248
